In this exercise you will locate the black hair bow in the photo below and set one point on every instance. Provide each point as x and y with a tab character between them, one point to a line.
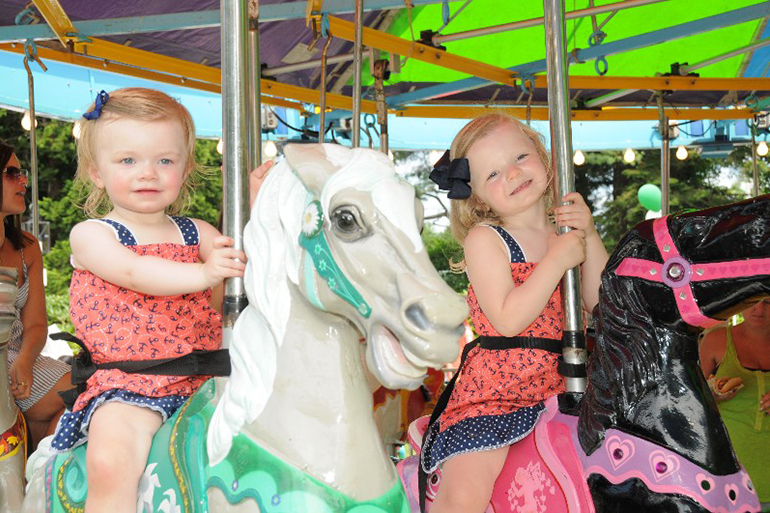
101	99
453	176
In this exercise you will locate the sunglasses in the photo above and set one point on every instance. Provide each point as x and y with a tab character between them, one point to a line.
15	173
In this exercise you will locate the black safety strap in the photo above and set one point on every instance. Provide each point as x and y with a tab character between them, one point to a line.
197	363
485	342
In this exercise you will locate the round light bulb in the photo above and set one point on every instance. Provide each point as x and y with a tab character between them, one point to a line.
762	148
434	156
26	121
629	156
221	147
579	159
76	130
681	153
271	150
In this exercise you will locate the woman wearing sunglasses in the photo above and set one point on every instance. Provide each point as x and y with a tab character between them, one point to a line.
34	379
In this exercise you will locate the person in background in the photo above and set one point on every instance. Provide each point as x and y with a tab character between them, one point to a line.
743	351
35	380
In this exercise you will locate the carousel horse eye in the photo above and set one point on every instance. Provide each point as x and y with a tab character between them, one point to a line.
345	221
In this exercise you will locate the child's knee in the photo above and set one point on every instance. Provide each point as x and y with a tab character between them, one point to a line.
118	464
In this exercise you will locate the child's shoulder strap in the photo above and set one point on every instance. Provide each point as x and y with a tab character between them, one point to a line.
122	233
187	229
514	250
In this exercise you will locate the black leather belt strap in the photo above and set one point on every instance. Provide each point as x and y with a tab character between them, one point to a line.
197	363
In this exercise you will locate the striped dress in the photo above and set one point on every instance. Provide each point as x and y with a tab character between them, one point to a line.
46	372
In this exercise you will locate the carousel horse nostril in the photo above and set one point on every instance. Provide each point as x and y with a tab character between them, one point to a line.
416	315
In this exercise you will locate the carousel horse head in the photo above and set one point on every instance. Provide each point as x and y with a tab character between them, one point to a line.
669	279
338	231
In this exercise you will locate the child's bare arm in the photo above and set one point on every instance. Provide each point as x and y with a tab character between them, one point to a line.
509	308
95	248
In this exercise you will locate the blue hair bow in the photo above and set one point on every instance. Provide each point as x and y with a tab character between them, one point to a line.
453	176
101	99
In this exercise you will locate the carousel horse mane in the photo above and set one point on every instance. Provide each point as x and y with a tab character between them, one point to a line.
270	240
645	350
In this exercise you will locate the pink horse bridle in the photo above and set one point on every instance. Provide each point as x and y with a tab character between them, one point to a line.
678	274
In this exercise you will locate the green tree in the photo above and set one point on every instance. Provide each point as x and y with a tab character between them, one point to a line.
693	185
741	160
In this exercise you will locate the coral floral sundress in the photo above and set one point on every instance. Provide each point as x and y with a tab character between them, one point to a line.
117	324
499	394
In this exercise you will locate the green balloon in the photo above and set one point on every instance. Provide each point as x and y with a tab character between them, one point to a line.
650	196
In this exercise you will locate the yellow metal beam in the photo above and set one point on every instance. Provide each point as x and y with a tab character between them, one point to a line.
389	43
171	66
673	83
150	61
57	19
104	65
607	114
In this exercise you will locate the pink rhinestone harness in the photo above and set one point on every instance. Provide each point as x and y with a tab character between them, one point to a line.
678	273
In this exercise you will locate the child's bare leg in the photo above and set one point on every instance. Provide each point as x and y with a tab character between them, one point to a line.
119	440
467	481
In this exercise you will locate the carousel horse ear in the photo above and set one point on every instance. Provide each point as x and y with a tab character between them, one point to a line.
311	163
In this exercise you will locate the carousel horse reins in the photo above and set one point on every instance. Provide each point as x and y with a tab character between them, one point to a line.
678	274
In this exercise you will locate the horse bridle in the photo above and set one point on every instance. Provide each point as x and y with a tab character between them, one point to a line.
678	273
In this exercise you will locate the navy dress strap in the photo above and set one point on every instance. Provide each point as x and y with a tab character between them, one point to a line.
514	250
188	229
122	232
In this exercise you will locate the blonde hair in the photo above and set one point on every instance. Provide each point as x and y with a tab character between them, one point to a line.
143	105
467	213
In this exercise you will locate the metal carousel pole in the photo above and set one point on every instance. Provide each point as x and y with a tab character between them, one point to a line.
665	158
574	354
357	64
255	91
235	78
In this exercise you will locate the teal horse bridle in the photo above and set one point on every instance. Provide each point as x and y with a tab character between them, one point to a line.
313	240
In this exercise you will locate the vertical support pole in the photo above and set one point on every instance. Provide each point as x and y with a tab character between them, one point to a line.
357	65
33	176
754	160
381	74
235	73
574	345
665	158
255	91
322	106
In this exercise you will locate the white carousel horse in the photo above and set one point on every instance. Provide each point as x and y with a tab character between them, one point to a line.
335	255
13	451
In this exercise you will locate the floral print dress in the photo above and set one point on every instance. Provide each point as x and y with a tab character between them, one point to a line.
117	324
498	395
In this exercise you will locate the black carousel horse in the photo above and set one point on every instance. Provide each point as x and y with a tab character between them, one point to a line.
646	435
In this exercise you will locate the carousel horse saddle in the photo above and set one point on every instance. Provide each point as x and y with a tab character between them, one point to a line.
549	470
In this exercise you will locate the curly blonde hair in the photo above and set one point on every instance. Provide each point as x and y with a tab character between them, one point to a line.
141	104
467	213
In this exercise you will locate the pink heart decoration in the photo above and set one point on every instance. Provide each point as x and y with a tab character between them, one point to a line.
734	489
619	450
663	465
705	483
